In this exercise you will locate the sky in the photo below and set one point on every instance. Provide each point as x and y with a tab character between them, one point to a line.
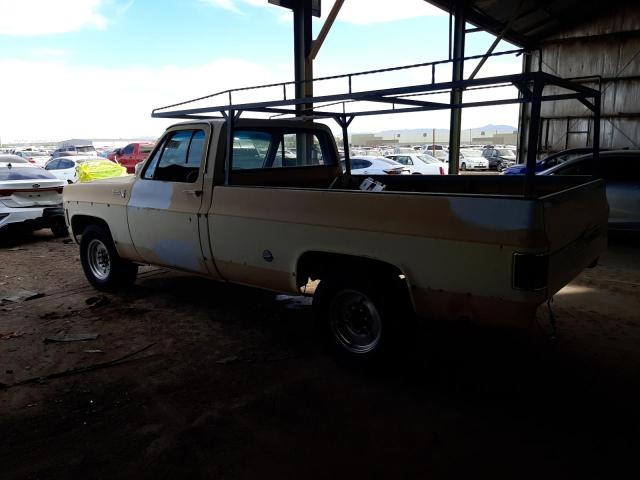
96	68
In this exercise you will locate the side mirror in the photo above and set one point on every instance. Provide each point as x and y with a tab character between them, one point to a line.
138	168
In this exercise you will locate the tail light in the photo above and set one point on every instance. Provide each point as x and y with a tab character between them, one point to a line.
394	171
31	160
441	170
530	271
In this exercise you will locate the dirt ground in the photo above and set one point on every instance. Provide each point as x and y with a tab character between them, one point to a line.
231	382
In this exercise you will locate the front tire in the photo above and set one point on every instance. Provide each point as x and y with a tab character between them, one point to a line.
101	263
463	167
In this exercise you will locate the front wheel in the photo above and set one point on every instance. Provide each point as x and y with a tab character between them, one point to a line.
463	166
101	263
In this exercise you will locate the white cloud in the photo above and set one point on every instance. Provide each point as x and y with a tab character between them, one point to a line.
93	102
42	17
358	12
229	5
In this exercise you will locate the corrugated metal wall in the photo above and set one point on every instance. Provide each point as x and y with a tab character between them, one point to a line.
609	48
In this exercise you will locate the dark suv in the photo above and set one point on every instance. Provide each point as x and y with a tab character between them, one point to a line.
499	158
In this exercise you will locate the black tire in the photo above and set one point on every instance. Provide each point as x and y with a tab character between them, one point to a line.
377	332
463	167
59	229
101	263
416	173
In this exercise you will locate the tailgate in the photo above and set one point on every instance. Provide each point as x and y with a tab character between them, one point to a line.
31	193
576	228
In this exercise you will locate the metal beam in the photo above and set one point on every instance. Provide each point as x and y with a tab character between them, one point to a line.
328	23
456	93
532	141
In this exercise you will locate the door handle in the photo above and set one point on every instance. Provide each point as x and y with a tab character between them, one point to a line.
197	193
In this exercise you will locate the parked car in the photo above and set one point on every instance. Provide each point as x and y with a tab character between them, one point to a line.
621	173
434	148
34	156
66	168
30	198
403	150
80	148
132	154
9	158
421	163
499	158
548	162
370	165
472	160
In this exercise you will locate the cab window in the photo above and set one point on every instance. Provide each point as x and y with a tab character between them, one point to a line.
261	149
179	157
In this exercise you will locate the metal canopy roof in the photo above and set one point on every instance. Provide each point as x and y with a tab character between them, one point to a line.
528	22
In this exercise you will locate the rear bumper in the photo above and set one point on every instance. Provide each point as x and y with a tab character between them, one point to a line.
35	217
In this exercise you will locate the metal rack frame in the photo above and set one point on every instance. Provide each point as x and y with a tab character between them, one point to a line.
530	86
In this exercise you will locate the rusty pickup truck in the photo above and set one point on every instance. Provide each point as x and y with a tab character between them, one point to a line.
429	246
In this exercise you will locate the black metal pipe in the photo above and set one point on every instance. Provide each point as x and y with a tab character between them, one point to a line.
456	93
229	154
597	165
532	143
345	145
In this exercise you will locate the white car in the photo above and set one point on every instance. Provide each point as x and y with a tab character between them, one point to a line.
65	168
31	198
35	157
421	163
473	160
370	165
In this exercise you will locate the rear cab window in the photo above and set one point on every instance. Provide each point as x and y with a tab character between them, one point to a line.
278	148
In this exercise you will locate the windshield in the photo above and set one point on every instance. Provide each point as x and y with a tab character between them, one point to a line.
506	153
428	159
24	173
85	149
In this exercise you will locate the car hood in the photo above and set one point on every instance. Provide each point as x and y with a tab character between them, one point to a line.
114	190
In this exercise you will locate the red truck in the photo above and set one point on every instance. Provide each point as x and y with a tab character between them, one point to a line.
131	155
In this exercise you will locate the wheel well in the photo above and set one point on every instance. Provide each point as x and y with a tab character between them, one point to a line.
80	222
322	265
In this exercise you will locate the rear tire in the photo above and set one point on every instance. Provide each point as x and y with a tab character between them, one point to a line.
101	263
359	324
59	229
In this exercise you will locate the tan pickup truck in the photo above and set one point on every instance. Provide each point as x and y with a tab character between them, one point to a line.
435	246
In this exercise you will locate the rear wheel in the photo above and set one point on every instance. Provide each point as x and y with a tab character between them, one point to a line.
358	322
101	263
59	229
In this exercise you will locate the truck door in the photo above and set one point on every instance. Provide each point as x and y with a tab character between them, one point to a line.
164	207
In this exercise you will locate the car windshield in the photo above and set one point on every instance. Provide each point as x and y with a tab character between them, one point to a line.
505	153
24	173
428	159
85	149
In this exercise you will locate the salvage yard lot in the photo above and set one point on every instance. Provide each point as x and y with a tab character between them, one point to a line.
232	382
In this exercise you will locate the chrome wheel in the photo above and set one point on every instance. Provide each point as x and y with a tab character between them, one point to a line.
355	321
98	259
